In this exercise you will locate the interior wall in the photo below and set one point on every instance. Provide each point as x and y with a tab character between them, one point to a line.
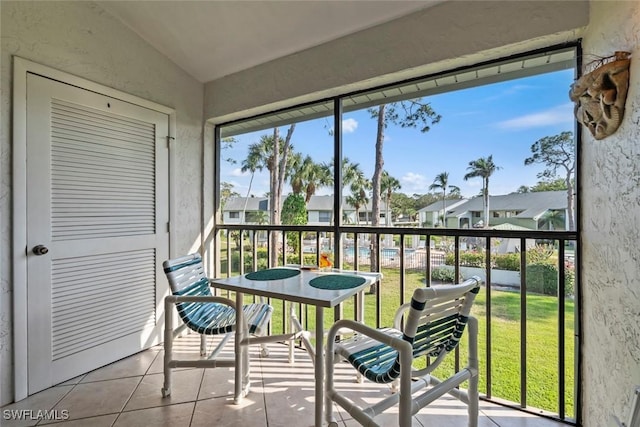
82	39
610	179
442	37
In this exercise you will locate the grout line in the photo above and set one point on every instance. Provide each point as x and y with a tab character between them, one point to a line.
61	398
195	403
128	399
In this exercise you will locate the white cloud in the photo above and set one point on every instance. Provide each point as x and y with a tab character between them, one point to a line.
414	183
349	125
238	172
562	114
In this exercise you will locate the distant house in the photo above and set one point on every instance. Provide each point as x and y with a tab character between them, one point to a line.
529	210
319	211
246	210
431	215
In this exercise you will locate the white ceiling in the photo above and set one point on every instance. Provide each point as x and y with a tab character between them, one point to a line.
211	39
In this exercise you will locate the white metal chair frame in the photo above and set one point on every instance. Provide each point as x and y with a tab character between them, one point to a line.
436	319
205	314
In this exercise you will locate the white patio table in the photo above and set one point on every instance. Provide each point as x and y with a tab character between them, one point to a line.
322	289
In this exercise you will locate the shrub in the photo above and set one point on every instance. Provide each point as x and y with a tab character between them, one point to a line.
539	254
509	262
542	278
472	259
467	259
444	275
449	259
248	260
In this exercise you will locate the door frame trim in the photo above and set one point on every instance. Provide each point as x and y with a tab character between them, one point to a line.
21	68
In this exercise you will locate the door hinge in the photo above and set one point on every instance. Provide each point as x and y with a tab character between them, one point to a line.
168	227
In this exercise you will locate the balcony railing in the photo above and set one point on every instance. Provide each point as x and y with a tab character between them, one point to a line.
527	309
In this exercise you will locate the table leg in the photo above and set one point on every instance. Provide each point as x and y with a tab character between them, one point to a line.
360	306
292	329
319	366
239	349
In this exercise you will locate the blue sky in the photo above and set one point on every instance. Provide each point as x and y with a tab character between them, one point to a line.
502	119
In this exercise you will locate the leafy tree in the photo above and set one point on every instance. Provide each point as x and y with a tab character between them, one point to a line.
226	192
388	185
294	210
557	152
411	113
226	143
523	189
441	182
550	185
401	204
423	200
483	168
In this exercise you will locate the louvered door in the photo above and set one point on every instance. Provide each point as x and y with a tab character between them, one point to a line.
97	199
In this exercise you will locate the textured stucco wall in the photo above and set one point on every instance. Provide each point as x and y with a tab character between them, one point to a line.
82	39
610	179
447	35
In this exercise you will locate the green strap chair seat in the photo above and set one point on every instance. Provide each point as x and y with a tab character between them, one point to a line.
435	321
206	315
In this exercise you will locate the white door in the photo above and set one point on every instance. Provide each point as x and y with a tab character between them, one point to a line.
97	229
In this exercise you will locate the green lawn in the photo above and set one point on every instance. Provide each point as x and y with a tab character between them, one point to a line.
542	339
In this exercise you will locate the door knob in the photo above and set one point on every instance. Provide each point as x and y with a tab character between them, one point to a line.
40	250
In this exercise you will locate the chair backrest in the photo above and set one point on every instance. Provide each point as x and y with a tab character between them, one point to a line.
186	277
436	320
438	317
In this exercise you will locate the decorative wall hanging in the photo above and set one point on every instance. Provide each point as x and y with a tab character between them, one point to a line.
600	95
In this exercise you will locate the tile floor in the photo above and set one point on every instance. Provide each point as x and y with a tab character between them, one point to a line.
127	393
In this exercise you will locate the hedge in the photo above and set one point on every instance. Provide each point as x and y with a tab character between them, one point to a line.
542	278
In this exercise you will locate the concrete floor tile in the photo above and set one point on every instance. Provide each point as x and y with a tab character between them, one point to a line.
224	413
164	416
132	366
101	421
28	412
98	398
184	388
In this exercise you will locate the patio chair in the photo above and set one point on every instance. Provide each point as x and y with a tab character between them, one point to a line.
206	315
436	319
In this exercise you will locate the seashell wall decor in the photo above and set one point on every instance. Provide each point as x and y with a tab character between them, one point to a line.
600	95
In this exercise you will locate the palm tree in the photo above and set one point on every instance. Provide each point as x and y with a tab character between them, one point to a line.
350	171
295	172
553	219
351	174
388	185
483	168
257	159
441	182
359	195
307	176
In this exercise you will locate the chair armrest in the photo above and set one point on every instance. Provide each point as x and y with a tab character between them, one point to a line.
174	299
203	299
397	343
397	319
